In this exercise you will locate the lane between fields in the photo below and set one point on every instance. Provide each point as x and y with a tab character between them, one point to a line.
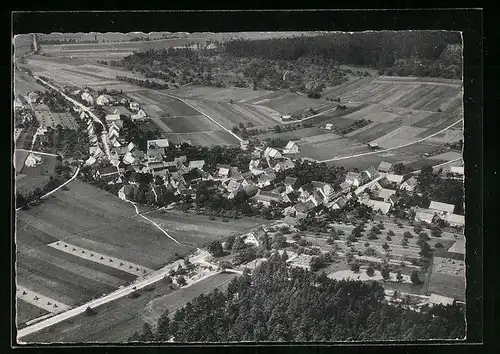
196	109
392	148
441	164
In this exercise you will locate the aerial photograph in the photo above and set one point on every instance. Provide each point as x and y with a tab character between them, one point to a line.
175	187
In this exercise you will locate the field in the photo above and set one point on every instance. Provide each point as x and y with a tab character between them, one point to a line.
327	145
28	178
24	84
52	119
26	312
115	322
220	137
448	283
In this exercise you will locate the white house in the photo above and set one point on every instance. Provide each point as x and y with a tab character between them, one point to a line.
104	100
376	205
354	179
33	97
87	97
425	215
134	106
436	299
459	170
329	126
291	148
158	143
128	158
196	164
441	207
130	146
139	116
398	179
90	161
454	219
112	117
409	185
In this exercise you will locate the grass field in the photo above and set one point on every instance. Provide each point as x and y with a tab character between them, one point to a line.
115	322
28	178
196	230
448	285
27	312
158	105
187	124
329	145
24	84
220	137
52	119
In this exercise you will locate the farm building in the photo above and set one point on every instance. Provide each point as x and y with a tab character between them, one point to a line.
112	117
266	198
354	179
104	100
339	203
384	167
386	195
290	198
459	170
409	185
369	174
192	176
134	106
289	182
306	191
436	299
286	117
458	247
139	116
329	126
376	205
223	172
284	165
325	189
130	146
272	153
441	207
398	179
128	158
425	215
90	161
158	143
87	97
316	198
302	209
197	164
291	148
156	154
454	219
244	144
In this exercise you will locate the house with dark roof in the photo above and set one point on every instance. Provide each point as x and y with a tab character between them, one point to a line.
306	191
384	167
302	209
316	198
156	154
191	177
284	165
409	185
338	203
196	164
291	198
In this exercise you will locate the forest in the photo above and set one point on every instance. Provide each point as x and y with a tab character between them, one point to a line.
253	309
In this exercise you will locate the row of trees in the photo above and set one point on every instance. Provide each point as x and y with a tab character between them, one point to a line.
316	309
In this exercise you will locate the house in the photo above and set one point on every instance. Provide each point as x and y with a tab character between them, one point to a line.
156	154
223	172
376	205
284	165
192	176
409	185
290	198
384	167
368	174
139	116
128	158
107	172
113	131
339	203
84	115
130	146
425	215
458	247
158	143
454	220
354	179
267	197
139	155
289	182
272	153
244	144
459	170
250	189
291	148
197	164
134	106
329	126
112	117
441	207
306	191
180	160
235	174
436	299
302	209
286	117
90	161
33	97
385	195
398	179
316	198
265	179
104	100
233	187
115	143
254	164
325	189
87	97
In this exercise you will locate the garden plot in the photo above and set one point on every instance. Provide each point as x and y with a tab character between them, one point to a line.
372	131
53	119
240	95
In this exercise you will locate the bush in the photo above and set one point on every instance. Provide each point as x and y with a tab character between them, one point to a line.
388	238
424	236
407	234
370	271
89	311
436	232
414	278
390	233
418	229
438	245
134	295
355	267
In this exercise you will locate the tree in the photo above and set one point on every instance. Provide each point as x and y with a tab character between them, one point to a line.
438	245
425	249
355	267
399	277
181	280
404	242
418	229
385	273
415	278
388	238
390	233
239	244
436	231
147	333
277	129
317	263
385	246
370	271
215	248
407	234
228	245
424	236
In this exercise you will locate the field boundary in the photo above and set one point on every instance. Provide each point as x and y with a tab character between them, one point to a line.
392	148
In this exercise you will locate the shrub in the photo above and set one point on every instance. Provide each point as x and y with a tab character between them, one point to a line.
408	234
390	233
414	278
370	271
438	245
355	267
134	295
424	236
388	238
89	311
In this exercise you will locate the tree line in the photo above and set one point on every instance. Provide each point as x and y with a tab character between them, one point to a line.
316	309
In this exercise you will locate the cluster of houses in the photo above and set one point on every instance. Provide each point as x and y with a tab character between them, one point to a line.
439	211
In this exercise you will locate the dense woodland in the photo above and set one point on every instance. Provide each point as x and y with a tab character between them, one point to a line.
305	64
252	309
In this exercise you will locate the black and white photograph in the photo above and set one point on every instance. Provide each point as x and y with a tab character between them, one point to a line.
229	187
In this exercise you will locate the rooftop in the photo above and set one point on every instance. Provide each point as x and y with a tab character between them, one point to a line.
442	207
